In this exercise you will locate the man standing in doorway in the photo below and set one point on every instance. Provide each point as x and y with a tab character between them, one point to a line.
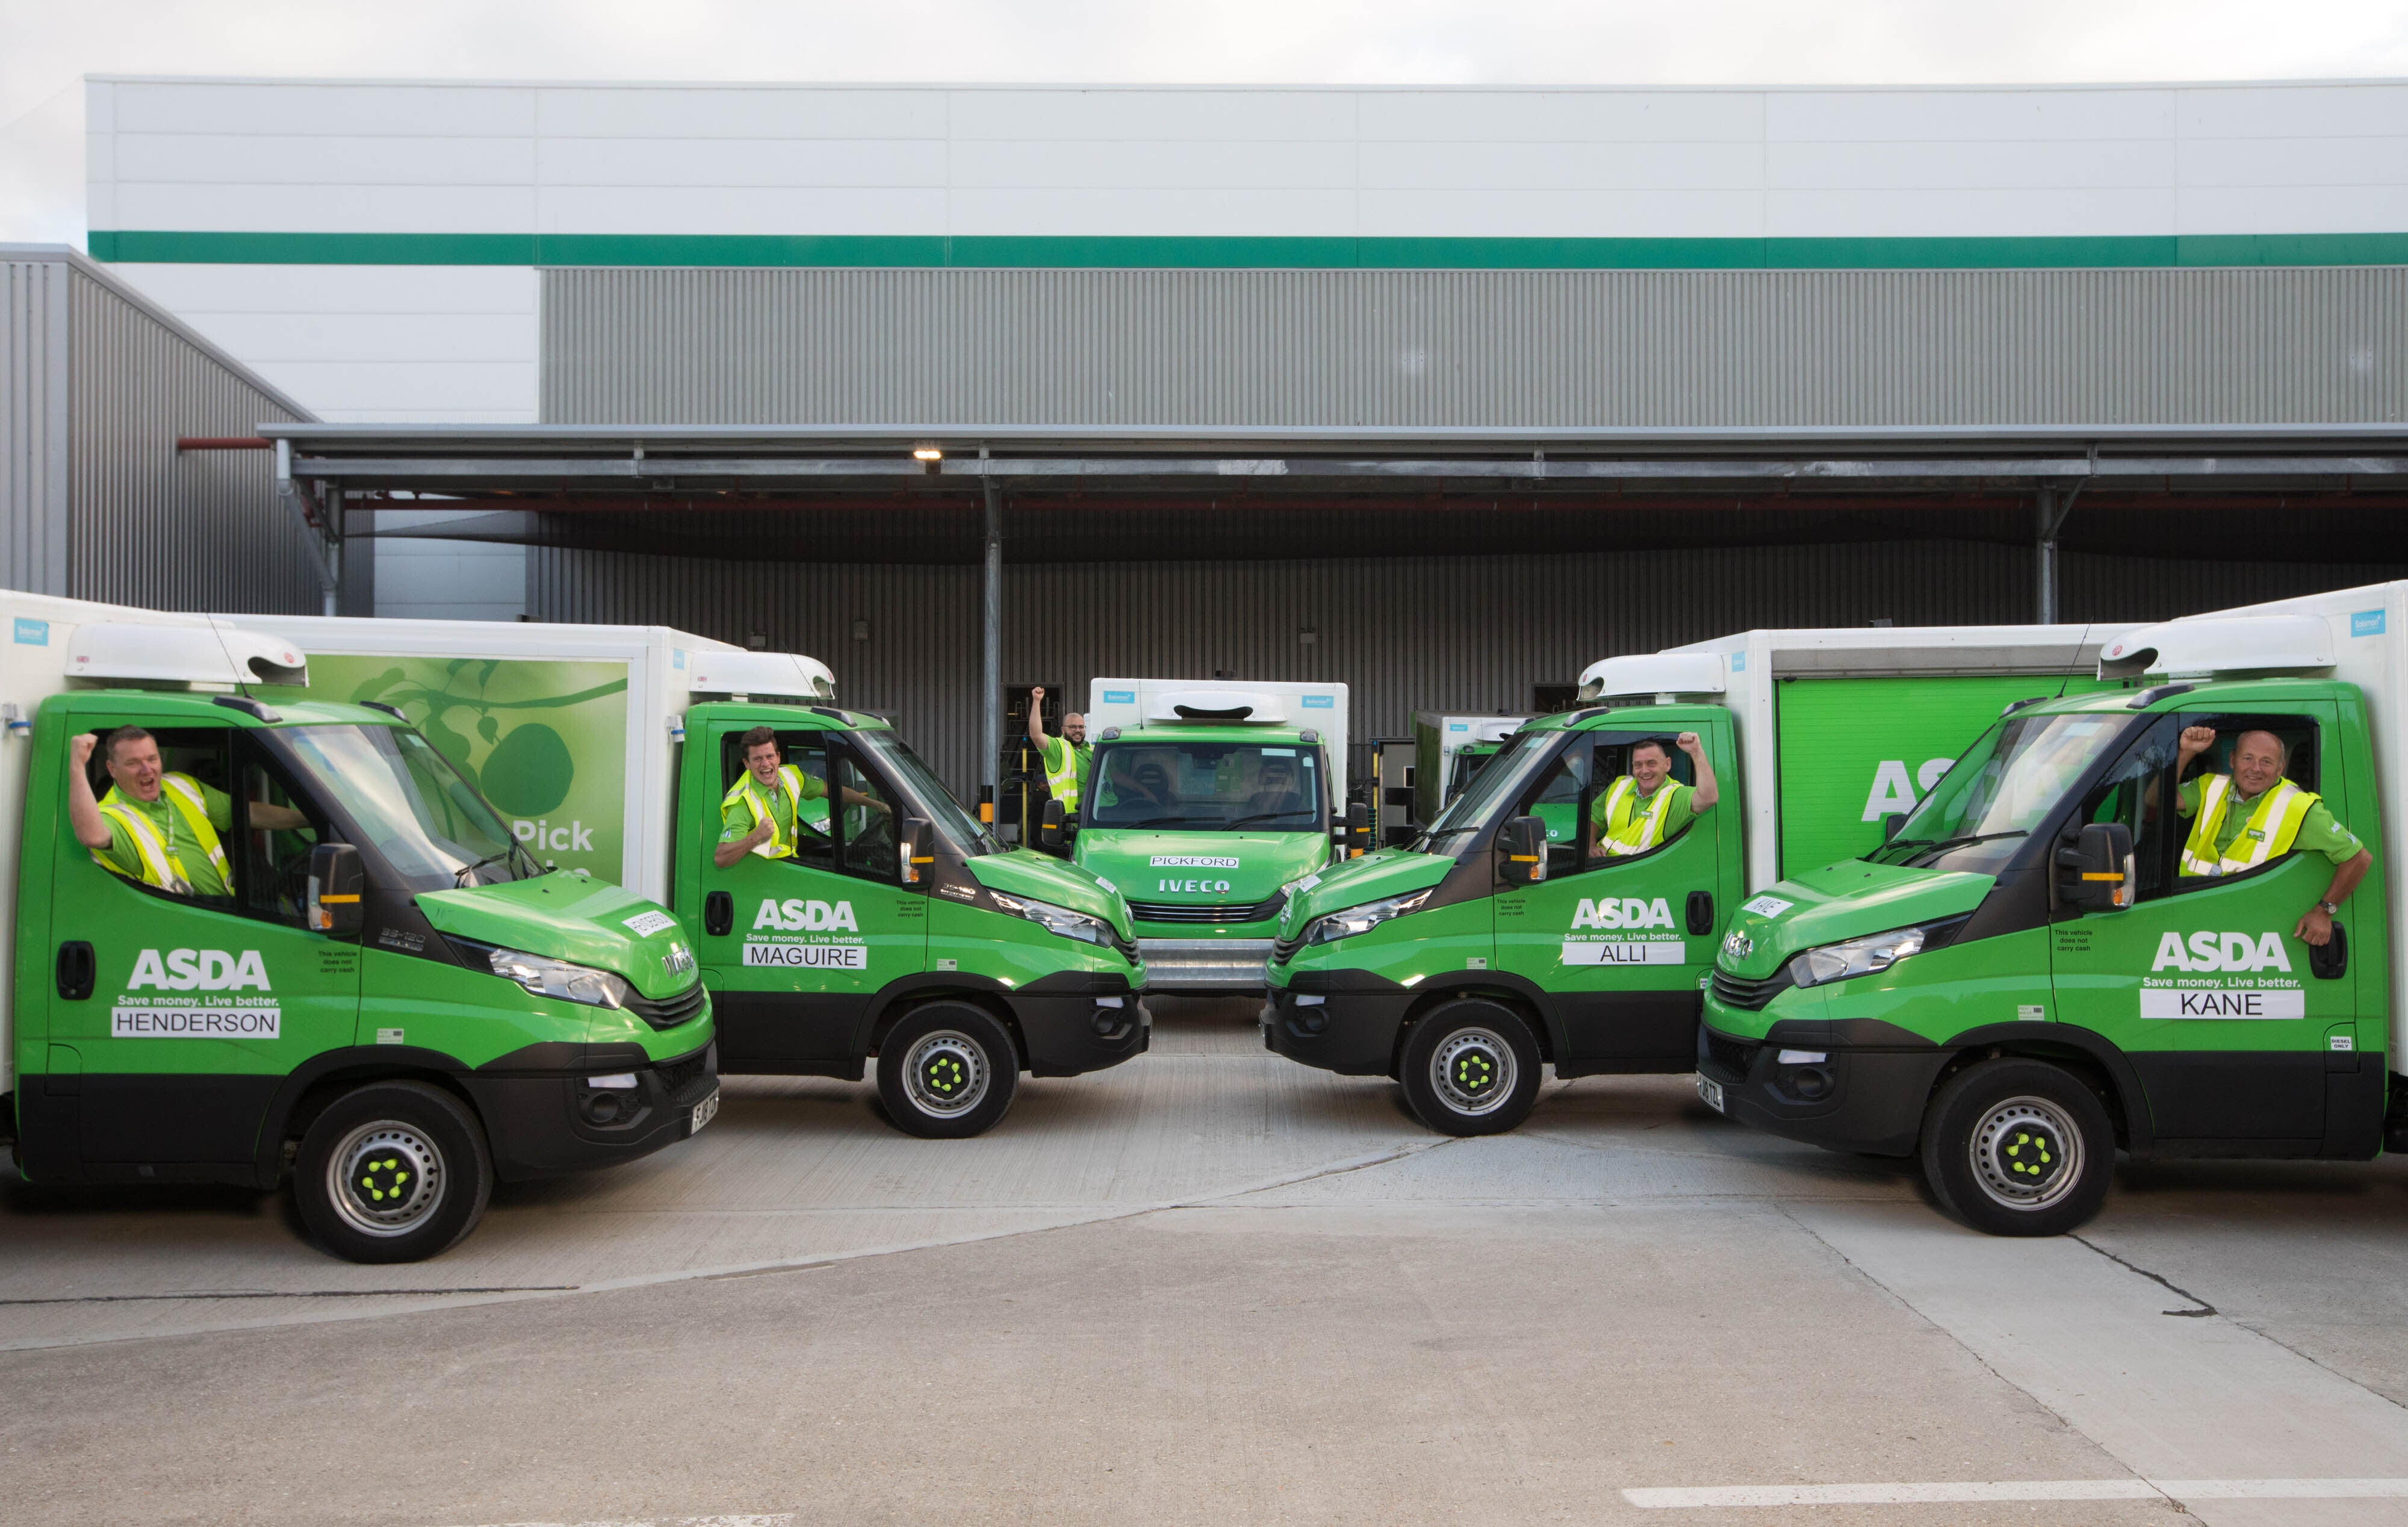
1647	807
1065	758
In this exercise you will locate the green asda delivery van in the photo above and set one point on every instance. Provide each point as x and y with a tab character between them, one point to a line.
1504	940
2046	963
1202	804
353	978
897	930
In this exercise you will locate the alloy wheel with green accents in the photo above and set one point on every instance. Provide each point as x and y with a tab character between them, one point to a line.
2018	1146
394	1171
1471	1067
947	1070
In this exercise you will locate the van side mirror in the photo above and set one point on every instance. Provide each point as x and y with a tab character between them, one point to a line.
1358	830
1891	823
1522	851
2096	874
915	848
336	882
1048	825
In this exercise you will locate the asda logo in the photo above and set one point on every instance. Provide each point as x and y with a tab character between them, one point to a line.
198	970
1629	912
2207	953
795	917
1894	792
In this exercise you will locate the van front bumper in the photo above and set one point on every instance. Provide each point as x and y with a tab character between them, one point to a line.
1198	966
544	1124
1351	1031
1078	1021
1851	1098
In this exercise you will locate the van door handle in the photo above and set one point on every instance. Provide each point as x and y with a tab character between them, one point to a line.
76	970
2326	962
1702	912
718	914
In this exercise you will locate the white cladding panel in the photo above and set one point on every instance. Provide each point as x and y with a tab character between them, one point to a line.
457	157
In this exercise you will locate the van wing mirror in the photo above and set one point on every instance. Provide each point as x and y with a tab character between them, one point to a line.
2096	874
1891	823
1358	829
336	884
915	848
1048	825
1522	851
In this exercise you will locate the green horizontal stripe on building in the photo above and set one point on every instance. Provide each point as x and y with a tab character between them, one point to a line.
983	251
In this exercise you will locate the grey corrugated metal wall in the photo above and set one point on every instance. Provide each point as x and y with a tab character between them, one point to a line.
202	530
1406	633
34	390
1475	348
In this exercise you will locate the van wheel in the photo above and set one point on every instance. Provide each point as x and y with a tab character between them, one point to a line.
947	1071
1471	1068
395	1171
2019	1147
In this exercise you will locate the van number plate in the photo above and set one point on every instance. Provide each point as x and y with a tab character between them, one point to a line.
704	1112
1711	1091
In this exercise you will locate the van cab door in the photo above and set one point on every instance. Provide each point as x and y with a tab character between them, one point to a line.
2240	1036
1621	945
173	1018
809	940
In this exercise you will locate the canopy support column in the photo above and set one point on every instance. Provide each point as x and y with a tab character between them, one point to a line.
991	653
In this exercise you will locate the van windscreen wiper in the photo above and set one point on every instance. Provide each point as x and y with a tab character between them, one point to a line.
1266	816
1929	846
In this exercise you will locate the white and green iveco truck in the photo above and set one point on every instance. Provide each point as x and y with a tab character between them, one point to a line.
1507	937
1448	750
1205	799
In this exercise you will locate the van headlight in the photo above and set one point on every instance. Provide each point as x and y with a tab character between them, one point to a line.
547	977
1864	956
1360	919
1057	920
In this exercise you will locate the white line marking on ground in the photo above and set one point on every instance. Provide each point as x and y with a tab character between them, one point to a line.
781	1518
1970	1492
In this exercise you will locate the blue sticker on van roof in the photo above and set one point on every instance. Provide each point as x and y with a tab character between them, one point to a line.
33	633
2365	623
1120	697
1738	663
1458	726
677	657
1320	702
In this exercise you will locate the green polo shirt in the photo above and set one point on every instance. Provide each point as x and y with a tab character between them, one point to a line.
168	819
1678	812
2318	832
735	818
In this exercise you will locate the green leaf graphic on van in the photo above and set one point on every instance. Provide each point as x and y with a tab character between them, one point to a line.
529	771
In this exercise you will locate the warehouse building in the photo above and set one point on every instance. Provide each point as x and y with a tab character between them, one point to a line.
1442	392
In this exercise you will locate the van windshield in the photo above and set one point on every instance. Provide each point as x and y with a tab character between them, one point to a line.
925	796
1999	791
1272	787
430	825
1499	782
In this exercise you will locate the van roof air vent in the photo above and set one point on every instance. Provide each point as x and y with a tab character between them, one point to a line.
1196	713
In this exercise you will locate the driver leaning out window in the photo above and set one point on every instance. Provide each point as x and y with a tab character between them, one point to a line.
155	826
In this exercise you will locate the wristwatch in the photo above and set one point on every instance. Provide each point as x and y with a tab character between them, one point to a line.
2331	908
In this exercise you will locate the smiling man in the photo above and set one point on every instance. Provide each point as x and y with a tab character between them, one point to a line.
1647	807
156	826
2240	820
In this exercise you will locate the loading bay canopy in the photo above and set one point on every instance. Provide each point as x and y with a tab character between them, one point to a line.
938	495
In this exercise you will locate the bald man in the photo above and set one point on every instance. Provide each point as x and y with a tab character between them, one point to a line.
2254	815
1066	758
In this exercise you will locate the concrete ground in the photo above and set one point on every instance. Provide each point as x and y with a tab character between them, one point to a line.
1212	1286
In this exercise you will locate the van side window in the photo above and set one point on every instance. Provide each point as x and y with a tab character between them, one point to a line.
869	840
2142	790
162	847
1572	799
2297	746
274	857
813	839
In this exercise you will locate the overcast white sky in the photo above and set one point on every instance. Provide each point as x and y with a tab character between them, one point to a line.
47	46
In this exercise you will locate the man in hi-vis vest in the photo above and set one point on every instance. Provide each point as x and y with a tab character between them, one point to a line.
1065	758
156	827
1647	807
2240	820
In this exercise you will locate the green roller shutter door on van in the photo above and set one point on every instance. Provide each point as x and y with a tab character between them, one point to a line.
1854	749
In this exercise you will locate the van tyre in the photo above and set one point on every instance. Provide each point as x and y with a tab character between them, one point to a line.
2019	1147
1471	1067
395	1171
947	1071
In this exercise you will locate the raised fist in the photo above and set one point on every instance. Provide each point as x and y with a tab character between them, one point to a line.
1687	742
2198	739
1037	696
79	748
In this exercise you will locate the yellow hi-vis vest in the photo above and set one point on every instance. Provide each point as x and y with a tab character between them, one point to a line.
2272	828
748	790
1628	830
161	866
1062	783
